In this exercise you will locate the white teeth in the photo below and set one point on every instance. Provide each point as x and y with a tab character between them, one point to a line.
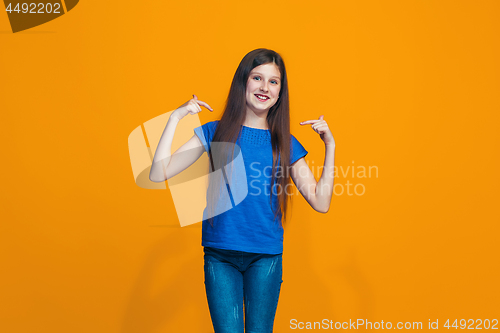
261	97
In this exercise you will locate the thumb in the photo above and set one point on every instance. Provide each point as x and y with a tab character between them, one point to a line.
195	97
321	117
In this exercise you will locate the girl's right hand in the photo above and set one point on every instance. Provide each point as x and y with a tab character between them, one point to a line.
190	107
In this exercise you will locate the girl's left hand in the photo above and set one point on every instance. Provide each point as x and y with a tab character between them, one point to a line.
321	127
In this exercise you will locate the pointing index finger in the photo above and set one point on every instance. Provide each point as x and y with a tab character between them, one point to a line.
204	104
309	122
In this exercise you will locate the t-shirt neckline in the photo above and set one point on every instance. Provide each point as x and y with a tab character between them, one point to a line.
260	129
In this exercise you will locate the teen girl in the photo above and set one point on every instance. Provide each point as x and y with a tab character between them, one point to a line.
243	246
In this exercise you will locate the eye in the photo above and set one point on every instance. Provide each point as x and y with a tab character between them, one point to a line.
274	81
256	77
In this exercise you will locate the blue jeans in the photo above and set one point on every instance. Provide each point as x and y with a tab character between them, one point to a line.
236	278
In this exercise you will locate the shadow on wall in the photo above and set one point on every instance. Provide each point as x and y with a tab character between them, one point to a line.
169	292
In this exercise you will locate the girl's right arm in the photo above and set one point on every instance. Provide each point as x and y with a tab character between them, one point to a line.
166	165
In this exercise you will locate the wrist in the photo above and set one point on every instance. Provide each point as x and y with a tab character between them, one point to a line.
175	116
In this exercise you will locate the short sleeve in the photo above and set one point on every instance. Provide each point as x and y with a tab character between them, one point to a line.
206	133
298	151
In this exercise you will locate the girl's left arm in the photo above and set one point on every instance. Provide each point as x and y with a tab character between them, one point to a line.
317	193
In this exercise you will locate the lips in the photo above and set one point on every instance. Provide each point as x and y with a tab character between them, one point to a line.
261	97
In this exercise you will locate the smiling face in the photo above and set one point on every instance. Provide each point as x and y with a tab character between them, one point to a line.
263	88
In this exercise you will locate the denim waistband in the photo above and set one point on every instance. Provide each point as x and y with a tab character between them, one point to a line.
238	259
209	249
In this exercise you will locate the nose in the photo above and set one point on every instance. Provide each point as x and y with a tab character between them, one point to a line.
263	87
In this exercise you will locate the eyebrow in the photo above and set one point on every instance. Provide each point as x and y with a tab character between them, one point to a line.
271	76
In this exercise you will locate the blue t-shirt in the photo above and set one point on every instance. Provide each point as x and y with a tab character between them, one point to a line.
248	224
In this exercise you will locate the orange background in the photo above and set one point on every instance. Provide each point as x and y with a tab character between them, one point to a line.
410	87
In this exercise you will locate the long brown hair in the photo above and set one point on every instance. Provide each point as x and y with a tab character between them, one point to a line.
278	120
